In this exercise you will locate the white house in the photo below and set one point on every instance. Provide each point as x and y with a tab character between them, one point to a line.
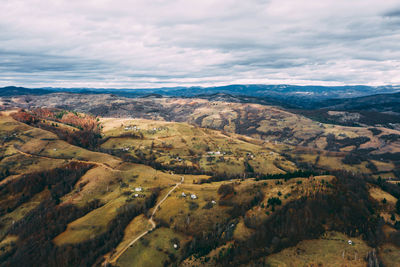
138	189
193	196
214	153
183	194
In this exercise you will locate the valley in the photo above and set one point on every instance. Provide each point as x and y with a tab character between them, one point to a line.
167	181
257	133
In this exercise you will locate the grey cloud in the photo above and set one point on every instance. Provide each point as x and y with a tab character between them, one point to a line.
144	43
20	62
393	13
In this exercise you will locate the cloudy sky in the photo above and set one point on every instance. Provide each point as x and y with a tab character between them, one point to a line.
138	44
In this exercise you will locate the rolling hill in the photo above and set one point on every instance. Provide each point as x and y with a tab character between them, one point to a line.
94	179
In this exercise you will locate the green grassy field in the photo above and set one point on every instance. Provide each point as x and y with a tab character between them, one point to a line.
332	249
155	249
180	144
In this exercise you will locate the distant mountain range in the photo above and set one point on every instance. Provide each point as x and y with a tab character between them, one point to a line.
377	102
13	91
276	91
359	105
367	98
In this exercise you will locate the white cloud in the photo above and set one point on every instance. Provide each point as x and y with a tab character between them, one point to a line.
136	44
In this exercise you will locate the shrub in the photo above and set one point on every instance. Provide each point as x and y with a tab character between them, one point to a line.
225	189
208	206
193	205
274	201
398	206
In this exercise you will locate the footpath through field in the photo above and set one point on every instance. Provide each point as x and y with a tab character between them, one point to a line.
151	221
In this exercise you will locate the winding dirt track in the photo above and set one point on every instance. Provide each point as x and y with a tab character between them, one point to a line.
153	224
71	160
151	221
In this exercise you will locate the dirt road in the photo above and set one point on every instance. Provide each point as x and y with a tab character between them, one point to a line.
151	221
71	160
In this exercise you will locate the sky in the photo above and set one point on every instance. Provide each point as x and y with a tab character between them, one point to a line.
142	44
